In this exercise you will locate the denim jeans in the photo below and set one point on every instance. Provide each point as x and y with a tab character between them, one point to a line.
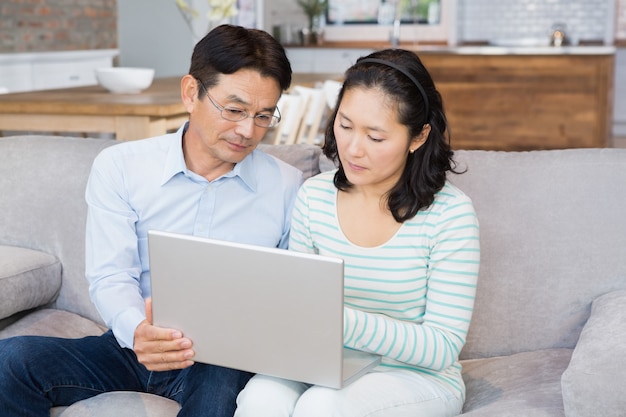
37	373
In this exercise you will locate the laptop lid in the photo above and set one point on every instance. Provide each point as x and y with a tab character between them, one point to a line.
263	310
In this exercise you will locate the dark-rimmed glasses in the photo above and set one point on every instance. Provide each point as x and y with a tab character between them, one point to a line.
234	114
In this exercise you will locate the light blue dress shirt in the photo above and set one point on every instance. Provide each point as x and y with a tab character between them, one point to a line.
145	185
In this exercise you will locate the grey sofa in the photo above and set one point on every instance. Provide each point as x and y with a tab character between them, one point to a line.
548	336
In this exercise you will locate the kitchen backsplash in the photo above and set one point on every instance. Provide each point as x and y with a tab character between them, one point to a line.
584	20
57	25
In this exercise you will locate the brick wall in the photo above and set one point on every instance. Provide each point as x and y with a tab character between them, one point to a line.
57	25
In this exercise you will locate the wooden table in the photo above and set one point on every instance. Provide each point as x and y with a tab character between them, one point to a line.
154	111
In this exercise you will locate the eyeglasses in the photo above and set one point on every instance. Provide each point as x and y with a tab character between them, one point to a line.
234	114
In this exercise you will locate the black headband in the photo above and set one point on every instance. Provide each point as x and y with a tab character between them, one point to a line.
406	73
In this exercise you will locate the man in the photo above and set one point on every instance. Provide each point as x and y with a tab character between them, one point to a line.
206	180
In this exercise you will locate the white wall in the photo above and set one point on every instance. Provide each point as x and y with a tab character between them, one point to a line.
153	34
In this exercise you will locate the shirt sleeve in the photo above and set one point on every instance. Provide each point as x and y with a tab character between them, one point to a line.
113	267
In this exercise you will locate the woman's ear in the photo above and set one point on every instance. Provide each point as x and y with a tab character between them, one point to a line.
189	92
420	139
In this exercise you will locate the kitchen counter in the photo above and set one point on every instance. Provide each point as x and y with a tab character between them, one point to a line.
472	49
517	50
504	97
526	101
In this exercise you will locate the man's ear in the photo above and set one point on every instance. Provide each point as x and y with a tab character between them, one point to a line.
189	92
420	139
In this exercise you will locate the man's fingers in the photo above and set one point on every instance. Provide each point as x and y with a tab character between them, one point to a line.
167	360
147	332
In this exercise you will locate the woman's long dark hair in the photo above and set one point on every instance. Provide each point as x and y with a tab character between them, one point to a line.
425	171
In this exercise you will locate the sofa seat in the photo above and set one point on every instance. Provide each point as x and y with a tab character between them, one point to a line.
502	386
133	403
53	322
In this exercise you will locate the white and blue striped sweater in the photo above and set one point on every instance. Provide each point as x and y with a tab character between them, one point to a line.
410	299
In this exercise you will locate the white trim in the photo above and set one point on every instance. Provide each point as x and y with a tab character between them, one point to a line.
31	57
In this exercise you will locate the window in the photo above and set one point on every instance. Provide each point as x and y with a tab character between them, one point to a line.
421	21
383	11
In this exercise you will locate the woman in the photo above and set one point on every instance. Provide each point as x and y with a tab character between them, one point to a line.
409	240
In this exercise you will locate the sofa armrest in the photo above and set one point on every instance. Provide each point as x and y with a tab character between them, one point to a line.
593	383
28	279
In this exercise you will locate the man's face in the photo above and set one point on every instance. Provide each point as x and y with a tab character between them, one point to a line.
216	142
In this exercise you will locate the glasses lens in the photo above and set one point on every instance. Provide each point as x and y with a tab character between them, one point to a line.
265	120
236	115
233	115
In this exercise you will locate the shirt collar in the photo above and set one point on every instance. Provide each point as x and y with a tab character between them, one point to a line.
174	160
175	163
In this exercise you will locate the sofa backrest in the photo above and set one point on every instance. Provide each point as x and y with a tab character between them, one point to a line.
553	230
553	238
42	201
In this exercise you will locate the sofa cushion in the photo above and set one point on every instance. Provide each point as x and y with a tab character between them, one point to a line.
55	323
28	279
326	164
303	156
552	240
519	385
116	404
593	383
42	184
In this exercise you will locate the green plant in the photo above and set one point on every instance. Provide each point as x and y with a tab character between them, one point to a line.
313	9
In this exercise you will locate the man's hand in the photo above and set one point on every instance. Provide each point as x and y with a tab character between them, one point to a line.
160	349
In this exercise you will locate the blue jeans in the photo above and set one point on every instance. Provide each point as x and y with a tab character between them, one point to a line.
37	373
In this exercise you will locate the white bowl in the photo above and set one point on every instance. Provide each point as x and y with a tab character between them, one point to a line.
125	80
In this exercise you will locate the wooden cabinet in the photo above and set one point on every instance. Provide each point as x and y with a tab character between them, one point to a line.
507	98
523	102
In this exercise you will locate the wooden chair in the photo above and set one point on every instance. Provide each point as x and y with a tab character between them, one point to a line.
302	111
331	90
314	112
292	108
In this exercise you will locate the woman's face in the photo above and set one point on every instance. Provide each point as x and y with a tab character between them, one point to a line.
372	144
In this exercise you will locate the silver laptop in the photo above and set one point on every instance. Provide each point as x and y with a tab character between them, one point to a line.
263	310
